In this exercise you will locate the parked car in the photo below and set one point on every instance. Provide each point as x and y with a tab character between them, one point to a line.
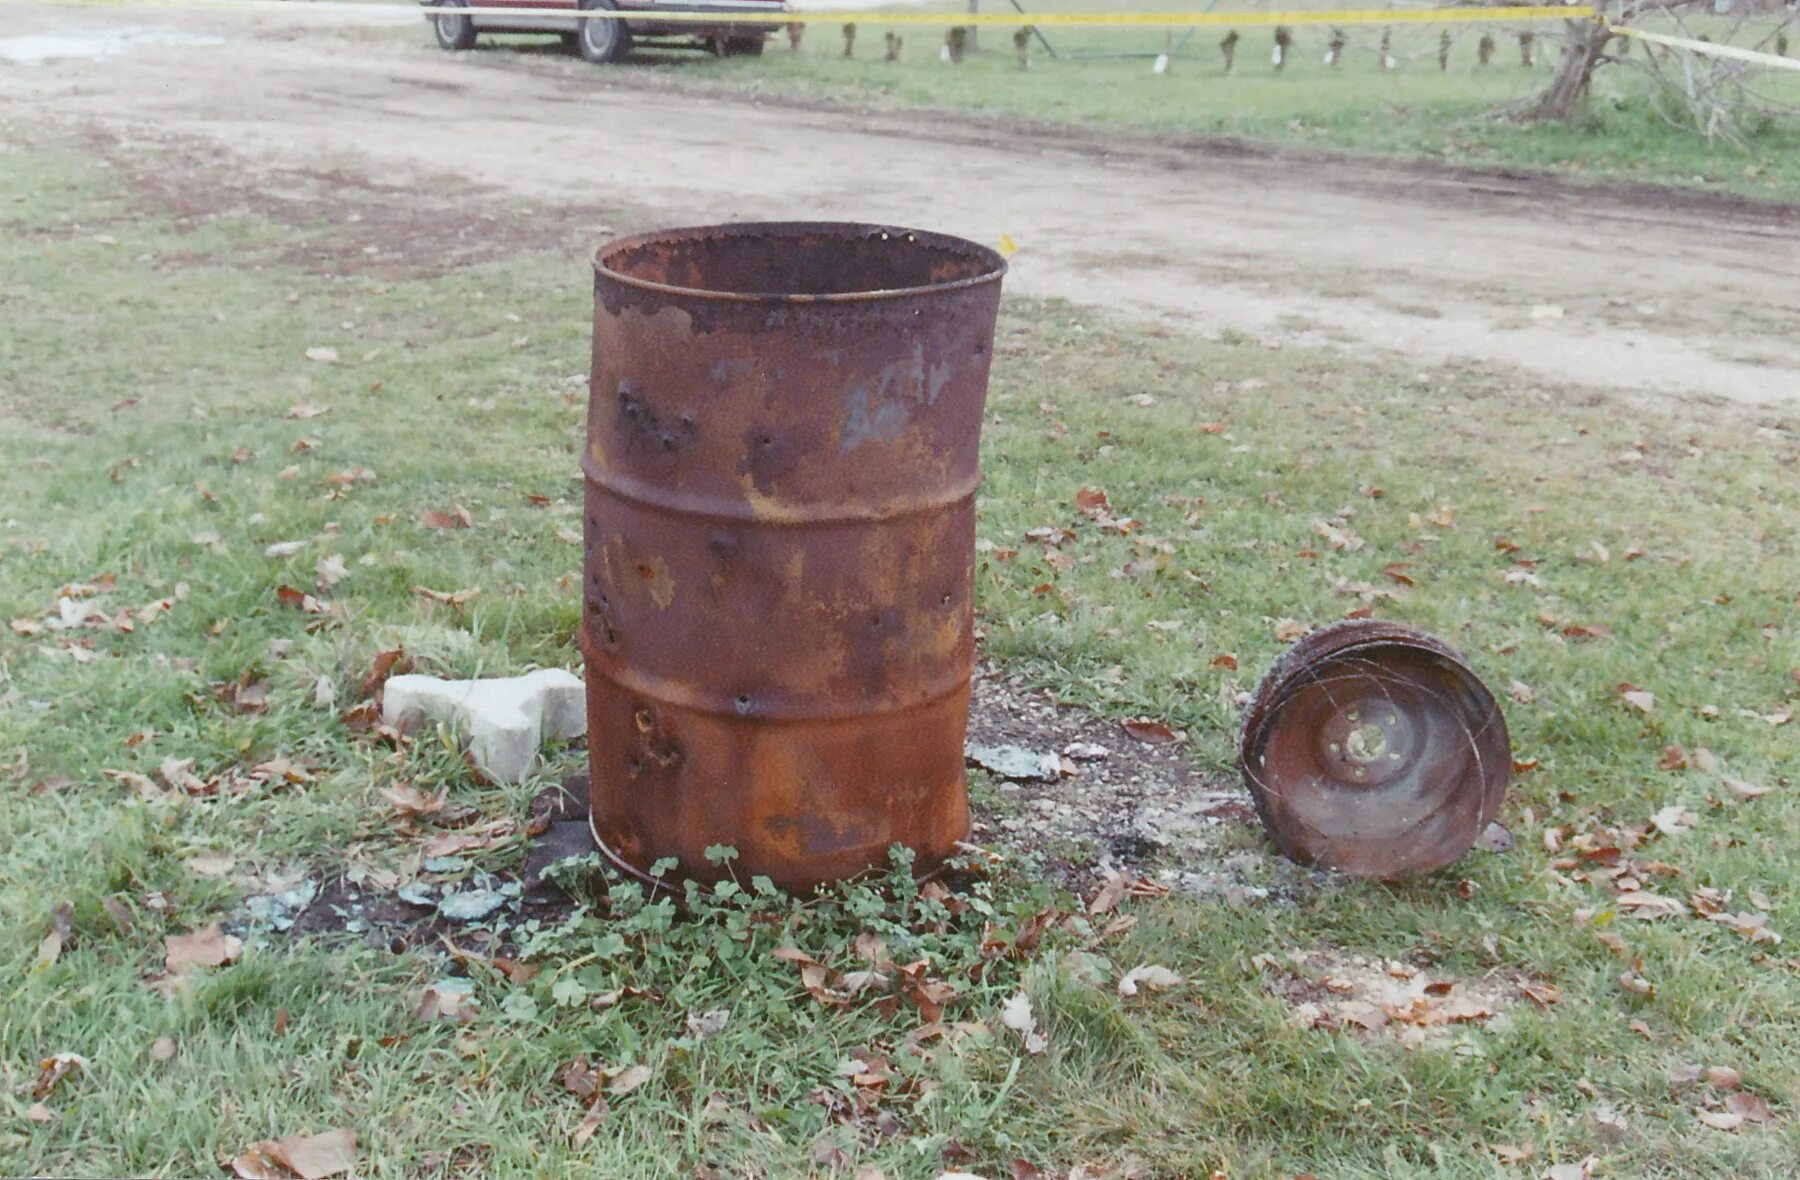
604	41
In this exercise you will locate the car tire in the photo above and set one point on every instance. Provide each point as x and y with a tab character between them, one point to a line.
602	41
454	33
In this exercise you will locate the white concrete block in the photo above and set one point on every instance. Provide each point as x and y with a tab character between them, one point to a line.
501	721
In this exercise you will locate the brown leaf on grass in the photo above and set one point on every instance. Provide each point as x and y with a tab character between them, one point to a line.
1288	630
440	1004
470	840
1722	1076
53	1069
1521	692
454	598
1226	661
1338	536
1580	631
590	1123
62	920
1647	904
457	518
299	600
1636	984
1110	894
209	946
1741	790
583	1080
1399	571
411	803
1151	731
310	1157
394	662
814	979
1579	1170
628	1079
362	718
928	995
1092	503
1541	994
793	954
1754	926
1640	699
1748	1106
244	695
1720	1120
1515	1155
306	410
37	1112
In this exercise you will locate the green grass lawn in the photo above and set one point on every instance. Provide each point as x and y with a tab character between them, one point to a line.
1414	110
163	428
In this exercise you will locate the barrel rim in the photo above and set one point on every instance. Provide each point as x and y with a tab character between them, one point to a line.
996	263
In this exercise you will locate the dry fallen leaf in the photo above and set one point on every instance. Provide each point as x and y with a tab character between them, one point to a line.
457	518
628	1079
1151	731
1748	1106
209	946
446	1004
1154	977
299	600
37	1112
455	598
1579	1170
1674	820
1016	1014
53	1069
1514	1155
590	1122
1288	630
1639	699
1721	1120
330	570
311	1157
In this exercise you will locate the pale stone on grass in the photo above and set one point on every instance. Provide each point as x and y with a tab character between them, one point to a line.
501	722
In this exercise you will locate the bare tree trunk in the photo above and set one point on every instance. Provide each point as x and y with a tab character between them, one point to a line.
1584	48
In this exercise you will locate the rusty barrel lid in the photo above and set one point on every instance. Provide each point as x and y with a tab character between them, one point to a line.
1373	749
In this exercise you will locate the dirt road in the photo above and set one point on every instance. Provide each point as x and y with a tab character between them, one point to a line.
1632	293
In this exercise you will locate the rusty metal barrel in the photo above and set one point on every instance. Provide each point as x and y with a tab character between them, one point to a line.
1372	748
781	462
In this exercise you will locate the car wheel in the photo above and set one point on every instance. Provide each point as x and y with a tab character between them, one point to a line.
454	33
602	41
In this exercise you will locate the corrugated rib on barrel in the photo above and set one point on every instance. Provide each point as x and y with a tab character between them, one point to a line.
781	466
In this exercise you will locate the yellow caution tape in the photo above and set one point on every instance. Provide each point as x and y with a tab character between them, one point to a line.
1710	48
660	15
